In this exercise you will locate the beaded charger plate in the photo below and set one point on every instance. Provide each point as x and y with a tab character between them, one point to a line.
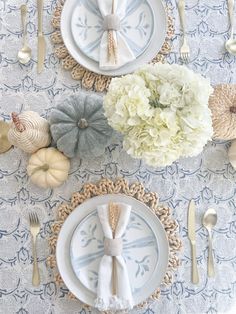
91	80
137	191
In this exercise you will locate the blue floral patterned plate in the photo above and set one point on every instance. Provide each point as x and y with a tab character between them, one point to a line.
136	27
80	248
140	251
156	42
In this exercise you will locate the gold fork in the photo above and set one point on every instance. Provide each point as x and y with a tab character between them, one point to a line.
34	230
184	50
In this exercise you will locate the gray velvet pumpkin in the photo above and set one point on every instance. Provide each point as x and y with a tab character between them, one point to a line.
79	126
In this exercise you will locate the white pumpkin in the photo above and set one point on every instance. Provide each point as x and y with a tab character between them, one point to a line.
48	168
29	131
232	154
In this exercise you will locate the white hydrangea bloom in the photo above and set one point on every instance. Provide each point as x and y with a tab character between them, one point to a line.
162	111
127	102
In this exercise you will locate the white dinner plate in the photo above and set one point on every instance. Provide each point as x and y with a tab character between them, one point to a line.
157	40
136	27
140	251
82	217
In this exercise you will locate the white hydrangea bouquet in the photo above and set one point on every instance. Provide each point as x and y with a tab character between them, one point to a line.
162	112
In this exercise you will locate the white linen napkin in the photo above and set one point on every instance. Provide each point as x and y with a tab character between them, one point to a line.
124	53
123	298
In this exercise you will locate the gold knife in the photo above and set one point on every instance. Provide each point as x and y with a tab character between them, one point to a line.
192	238
41	39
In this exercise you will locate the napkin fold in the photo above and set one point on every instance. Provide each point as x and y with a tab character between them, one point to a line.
111	23
123	299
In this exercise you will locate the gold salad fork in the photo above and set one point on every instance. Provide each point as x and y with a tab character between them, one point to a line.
184	50
34	230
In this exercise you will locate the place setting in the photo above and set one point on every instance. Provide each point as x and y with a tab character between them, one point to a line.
88	33
112	251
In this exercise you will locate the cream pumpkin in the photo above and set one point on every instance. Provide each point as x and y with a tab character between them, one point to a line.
48	168
223	107
232	154
29	131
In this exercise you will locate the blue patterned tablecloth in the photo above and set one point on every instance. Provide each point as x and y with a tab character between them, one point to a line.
208	178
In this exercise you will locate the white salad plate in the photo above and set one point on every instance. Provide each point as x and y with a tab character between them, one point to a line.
136	27
80	248
155	44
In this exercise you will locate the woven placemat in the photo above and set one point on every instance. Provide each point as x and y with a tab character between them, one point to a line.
90	80
136	190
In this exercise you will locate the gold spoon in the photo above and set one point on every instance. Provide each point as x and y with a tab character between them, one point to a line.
24	54
209	222
230	44
4	143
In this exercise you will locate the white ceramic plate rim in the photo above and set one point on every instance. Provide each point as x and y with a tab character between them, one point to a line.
67	230
143	48
155	45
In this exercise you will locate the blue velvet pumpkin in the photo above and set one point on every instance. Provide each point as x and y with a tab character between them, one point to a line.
79	126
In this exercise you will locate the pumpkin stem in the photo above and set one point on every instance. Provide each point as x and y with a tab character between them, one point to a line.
44	167
18	124
3	136
83	124
232	109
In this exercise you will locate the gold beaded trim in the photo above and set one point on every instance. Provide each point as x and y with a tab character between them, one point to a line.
91	80
136	190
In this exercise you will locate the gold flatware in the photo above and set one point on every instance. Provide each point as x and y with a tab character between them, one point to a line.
41	39
34	229
192	238
230	44
5	145
184	50
24	54
209	221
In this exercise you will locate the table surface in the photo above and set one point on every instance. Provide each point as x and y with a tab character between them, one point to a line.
208	178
